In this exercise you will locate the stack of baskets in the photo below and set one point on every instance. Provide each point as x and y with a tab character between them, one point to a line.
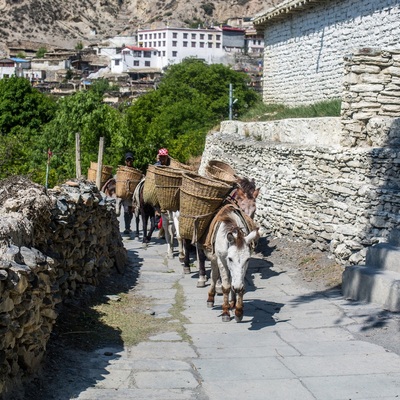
200	197
126	181
106	173
168	182
220	170
149	187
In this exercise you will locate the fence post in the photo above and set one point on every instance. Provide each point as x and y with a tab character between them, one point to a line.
78	155
100	163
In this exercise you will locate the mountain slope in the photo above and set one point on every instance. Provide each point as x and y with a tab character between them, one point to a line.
64	24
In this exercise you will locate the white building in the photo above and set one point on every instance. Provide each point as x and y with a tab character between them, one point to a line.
158	48
14	67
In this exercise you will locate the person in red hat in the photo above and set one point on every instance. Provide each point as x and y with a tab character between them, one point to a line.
163	157
127	203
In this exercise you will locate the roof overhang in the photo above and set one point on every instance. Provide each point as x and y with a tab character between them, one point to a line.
282	11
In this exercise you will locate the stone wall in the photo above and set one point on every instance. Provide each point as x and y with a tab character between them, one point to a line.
55	247
341	199
304	48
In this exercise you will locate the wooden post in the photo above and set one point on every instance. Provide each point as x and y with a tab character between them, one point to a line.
78	155
100	163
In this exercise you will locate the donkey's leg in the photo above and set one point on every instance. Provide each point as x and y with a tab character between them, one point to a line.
144	223
168	225
186	259
137	222
226	289
181	244
152	218
214	277
239	306
201	262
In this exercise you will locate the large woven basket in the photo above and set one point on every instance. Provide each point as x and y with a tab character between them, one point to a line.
106	173
126	181
222	165
200	197
176	164
149	187
168	182
215	172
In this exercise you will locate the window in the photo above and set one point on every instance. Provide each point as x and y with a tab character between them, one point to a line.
136	63
116	62
163	43
185	35
193	36
140	37
174	43
145	44
210	37
218	37
259	42
150	36
209	45
163	35
137	53
145	36
147	54
159	35
185	44
155	53
174	54
201	36
174	35
154	44
218	45
147	63
193	44
201	44
163	53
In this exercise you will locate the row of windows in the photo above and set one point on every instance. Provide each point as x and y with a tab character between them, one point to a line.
185	35
184	44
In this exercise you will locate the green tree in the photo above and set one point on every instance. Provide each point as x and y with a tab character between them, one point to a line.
191	98
23	113
41	52
83	112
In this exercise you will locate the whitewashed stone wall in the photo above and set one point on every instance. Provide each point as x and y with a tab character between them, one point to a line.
341	199
303	57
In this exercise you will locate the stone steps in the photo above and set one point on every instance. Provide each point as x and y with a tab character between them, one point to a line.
378	281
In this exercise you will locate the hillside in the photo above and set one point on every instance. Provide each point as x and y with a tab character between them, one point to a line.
64	24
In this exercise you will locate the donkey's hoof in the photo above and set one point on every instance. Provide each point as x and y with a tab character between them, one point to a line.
201	283
210	304
186	270
226	318
238	318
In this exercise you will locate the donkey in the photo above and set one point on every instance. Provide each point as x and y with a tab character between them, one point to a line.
229	246
244	197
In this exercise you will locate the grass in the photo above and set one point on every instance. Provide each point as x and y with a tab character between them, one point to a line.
270	112
115	315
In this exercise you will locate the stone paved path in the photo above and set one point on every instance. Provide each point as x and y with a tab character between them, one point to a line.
292	343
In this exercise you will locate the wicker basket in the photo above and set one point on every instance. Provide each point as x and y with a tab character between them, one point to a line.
176	164
126	181
149	187
222	165
200	197
106	173
215	172
168	182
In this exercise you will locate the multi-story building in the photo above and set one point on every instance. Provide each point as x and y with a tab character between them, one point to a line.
158	48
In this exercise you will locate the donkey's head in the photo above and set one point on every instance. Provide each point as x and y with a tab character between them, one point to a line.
239	251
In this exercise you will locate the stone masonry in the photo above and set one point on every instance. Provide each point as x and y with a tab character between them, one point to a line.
333	181
55	247
305	42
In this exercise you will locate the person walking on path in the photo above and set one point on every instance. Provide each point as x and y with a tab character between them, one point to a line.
163	157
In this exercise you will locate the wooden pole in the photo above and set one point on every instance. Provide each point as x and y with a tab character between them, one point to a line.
78	155
100	163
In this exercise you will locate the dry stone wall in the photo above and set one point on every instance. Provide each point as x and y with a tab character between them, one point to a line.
55	247
303	55
333	181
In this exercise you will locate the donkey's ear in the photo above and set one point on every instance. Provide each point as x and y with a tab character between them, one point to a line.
256	193
253	236
231	238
